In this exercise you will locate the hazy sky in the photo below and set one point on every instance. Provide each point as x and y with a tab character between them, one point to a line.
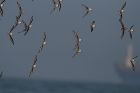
101	49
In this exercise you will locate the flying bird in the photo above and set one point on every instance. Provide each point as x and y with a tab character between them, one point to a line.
77	51
132	62
54	6
130	31
10	34
122	10
43	43
17	21
1	74
123	28
20	10
1	4
92	26
87	10
33	66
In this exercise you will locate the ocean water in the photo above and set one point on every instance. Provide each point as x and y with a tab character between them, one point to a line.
11	85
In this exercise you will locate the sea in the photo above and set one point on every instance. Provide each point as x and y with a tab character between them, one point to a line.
18	85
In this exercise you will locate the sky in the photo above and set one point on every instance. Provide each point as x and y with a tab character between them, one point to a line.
101	49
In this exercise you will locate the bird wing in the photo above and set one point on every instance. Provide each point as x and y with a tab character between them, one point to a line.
91	29
131	27
122	33
19	15
75	54
20	9
26	31
12	28
31	20
77	38
130	35
59	4
93	22
122	28
135	57
2	1
121	16
25	25
1	10
75	33
31	71
17	18
85	14
11	39
52	10
35	60
123	5
1	74
121	23
53	2
76	46
133	66
44	36
84	6
40	47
